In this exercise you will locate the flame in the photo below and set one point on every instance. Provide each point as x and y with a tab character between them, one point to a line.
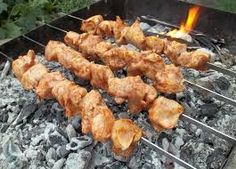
192	18
187	26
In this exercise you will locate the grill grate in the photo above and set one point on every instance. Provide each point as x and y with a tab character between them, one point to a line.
184	117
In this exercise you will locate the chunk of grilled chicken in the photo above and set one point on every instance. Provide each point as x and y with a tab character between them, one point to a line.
97	118
155	44
195	60
32	76
164	113
133	89
100	75
69	58
91	46
118	57
173	50
23	63
170	80
90	24
125	135
69	95
146	63
106	28
46	84
134	35
73	60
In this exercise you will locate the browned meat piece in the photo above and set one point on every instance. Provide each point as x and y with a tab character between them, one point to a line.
125	135
195	60
102	123
69	58
155	44
46	84
164	113
173	50
90	24
133	89
73	60
170	80
118	57
33	75
87	45
81	67
92	46
119	31
96	117
100	75
146	63
72	39
23	63
134	35
69	95
105	28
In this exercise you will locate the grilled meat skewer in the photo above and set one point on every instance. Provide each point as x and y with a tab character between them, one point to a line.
97	118
175	51
166	78
139	95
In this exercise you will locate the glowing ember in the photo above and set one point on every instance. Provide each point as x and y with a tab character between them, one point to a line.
187	26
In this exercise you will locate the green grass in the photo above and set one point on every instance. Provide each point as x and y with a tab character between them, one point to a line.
226	5
19	16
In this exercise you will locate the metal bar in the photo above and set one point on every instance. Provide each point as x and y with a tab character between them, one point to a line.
32	40
212	93
8	58
72	16
222	70
167	154
211	130
54	27
151	18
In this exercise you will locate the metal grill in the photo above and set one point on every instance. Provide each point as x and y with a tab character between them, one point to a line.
40	43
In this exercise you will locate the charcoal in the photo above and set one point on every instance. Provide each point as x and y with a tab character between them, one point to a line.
179	142
135	161
63	152
25	113
76	123
209	109
115	165
51	154
59	164
5	70
57	138
4	117
162	136
13	154
79	143
144	26
148	166
222	83
215	159
70	131
78	160
36	140
4	127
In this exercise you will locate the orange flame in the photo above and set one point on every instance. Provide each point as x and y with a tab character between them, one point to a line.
193	15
